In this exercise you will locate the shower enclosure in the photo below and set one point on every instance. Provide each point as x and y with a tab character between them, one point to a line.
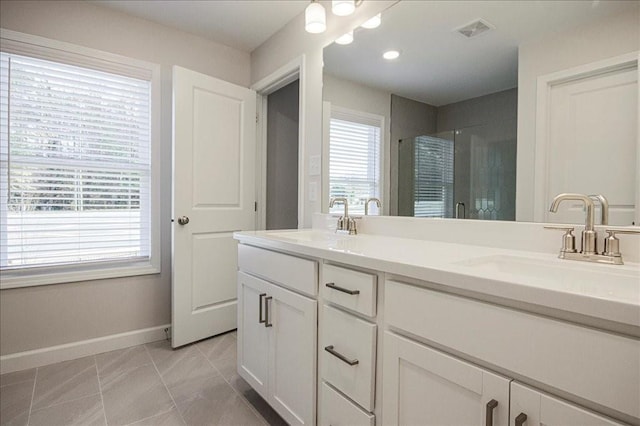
465	173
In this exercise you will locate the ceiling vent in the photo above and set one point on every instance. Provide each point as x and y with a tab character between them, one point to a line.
474	28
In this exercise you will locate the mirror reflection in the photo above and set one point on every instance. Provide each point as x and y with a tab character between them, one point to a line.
457	109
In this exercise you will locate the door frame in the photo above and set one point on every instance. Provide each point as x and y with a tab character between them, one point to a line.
288	73
542	148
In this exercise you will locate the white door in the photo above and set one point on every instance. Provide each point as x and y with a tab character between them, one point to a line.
214	187
594	121
253	343
422	386
533	408
292	355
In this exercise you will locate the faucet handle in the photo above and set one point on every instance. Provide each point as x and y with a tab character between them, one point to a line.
568	239
612	244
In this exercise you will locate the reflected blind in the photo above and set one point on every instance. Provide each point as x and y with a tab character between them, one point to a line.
354	160
75	164
433	177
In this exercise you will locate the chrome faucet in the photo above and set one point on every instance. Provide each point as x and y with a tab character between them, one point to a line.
589	253
366	204
346	224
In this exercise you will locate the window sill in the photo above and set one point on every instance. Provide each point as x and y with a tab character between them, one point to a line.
70	274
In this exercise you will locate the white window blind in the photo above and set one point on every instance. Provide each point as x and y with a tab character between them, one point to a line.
433	177
75	164
354	159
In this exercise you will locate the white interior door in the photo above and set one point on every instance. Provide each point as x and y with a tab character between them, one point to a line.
214	187
594	121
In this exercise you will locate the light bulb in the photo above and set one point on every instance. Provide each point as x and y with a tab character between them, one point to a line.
346	38
391	55
373	22
343	7
315	20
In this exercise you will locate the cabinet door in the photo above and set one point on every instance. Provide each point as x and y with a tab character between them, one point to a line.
542	409
252	334
292	370
422	386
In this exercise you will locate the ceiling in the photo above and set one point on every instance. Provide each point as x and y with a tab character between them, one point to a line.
242	24
439	66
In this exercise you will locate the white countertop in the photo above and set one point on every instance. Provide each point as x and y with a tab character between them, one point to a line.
606	292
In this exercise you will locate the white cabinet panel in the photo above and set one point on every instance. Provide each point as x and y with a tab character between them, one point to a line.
354	339
422	386
542	409
351	289
339	411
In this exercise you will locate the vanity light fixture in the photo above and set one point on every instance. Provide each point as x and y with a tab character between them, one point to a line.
315	18
346	38
390	55
373	22
343	7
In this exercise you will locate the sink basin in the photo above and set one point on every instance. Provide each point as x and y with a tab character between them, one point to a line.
308	235
604	281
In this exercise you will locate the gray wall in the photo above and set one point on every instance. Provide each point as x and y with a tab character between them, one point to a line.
282	158
477	111
409	118
39	317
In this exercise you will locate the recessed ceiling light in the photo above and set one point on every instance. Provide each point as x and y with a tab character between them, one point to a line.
346	38
373	22
391	55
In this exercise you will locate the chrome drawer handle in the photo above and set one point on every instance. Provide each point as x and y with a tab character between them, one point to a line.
340	356
333	286
520	419
490	406
260	320
267	315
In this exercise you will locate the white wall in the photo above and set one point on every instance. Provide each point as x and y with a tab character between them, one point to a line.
39	317
607	38
357	97
290	43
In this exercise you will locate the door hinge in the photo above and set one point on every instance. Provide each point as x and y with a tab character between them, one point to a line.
255	206
256	118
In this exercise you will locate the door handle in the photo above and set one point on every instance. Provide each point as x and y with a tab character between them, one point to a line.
520	419
490	406
183	220
266	312
260	320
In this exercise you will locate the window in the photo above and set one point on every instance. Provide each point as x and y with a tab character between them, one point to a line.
433	177
354	158
76	183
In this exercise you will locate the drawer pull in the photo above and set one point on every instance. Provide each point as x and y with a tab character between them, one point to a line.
266	312
333	286
522	417
260	320
490	406
340	356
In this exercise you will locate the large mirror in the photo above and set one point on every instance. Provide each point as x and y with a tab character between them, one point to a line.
491	108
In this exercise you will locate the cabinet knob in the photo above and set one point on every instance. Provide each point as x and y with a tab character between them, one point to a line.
520	419
490	407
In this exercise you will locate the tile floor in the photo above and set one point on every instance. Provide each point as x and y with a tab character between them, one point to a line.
143	385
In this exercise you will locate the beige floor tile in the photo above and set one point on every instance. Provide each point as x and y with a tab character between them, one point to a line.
219	347
65	381
212	401
80	412
15	400
112	364
170	418
17	377
135	395
256	401
179	365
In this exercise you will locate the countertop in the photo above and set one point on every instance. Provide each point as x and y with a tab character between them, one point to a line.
577	291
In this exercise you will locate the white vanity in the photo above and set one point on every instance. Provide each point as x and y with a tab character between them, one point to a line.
378	328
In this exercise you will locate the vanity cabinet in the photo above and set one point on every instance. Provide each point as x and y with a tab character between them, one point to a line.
423	386
277	333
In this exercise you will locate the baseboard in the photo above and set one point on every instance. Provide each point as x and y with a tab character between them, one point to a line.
52	354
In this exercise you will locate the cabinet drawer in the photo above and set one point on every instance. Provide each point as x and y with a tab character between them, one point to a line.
352	289
289	271
594	365
354	340
336	410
